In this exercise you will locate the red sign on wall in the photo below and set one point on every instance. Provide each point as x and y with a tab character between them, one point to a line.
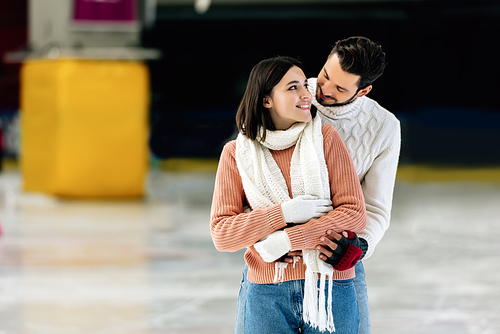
105	11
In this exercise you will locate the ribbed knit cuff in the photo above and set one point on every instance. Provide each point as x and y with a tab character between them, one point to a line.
296	237
364	247
275	217
369	241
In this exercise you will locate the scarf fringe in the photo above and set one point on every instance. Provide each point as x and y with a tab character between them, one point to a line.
279	271
315	299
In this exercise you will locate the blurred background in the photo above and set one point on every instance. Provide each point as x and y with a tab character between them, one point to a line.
441	80
113	115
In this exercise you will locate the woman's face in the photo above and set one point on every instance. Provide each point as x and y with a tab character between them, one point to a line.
289	101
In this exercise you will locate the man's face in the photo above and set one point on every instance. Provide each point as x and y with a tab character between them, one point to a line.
337	87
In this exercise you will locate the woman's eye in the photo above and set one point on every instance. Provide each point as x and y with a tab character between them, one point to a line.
293	87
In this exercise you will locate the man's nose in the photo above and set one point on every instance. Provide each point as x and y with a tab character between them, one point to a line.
326	88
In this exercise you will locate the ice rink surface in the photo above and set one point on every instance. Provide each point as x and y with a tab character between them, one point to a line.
149	266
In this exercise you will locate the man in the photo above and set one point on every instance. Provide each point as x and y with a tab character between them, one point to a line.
371	134
372	137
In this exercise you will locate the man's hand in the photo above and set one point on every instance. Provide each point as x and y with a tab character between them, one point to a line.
288	258
342	251
327	250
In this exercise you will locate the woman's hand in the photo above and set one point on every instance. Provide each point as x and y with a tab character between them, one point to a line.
273	246
303	208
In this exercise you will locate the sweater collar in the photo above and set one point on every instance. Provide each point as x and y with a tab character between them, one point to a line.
334	113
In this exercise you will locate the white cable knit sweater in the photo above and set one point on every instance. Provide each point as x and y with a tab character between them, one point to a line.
372	136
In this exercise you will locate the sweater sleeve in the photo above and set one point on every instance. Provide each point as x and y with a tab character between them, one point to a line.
346	194
232	229
378	188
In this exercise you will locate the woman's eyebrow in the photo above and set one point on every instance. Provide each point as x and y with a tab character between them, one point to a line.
294	82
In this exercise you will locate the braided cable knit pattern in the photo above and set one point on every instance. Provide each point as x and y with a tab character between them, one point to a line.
359	133
362	125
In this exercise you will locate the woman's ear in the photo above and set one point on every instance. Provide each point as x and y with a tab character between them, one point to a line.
267	102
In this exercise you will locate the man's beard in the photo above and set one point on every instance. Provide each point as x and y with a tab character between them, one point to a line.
339	104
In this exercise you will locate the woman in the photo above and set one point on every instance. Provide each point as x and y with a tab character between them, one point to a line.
292	172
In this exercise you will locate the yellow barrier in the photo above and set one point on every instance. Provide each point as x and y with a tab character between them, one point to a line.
84	127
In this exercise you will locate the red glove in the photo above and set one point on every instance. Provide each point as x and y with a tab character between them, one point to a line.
348	252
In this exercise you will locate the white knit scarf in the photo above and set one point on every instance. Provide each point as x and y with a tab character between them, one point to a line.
265	186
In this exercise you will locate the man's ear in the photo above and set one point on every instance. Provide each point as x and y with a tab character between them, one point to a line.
364	91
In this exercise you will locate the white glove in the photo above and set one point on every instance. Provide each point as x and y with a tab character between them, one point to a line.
273	246
303	208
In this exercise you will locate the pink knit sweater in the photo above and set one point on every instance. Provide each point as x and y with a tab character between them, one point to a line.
233	230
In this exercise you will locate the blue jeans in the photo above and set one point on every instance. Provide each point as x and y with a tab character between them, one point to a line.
277	308
361	295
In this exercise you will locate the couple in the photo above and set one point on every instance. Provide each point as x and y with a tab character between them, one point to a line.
315	161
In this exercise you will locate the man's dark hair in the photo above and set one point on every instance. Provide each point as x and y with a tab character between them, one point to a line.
360	56
252	114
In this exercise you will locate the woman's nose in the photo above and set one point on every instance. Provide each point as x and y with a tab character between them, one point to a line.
306	95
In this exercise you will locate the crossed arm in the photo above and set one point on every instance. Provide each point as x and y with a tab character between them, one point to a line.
232	229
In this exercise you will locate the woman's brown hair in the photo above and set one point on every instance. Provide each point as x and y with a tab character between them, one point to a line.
264	76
